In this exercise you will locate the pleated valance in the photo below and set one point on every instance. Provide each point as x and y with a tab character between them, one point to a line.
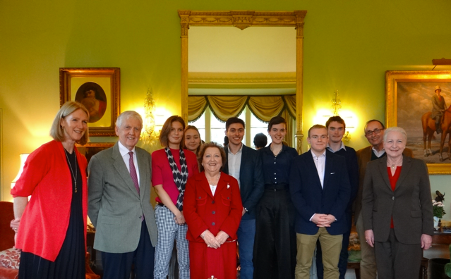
263	107
224	107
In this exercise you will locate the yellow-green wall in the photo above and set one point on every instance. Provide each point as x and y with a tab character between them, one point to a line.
348	46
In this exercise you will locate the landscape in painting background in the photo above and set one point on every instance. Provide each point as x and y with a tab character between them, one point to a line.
413	100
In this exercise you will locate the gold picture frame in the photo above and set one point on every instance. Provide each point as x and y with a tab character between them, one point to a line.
408	100
99	90
92	148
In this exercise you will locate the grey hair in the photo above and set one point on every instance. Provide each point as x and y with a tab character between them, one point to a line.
126	115
395	129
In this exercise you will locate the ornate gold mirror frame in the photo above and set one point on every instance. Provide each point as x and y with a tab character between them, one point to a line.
242	20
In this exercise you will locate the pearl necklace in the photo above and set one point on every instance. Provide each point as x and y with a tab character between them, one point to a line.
71	171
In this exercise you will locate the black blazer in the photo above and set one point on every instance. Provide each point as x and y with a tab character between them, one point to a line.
410	204
309	197
251	179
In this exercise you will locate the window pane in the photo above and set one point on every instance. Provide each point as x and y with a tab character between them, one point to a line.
200	125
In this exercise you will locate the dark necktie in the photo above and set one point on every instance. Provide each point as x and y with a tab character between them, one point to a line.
133	171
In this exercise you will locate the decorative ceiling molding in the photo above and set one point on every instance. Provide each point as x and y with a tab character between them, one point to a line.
242	19
263	79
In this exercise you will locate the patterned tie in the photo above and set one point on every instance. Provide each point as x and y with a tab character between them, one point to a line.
133	171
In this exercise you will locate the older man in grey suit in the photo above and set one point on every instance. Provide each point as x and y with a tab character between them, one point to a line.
119	203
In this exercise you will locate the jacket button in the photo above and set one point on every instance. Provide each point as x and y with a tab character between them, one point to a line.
213	212
199	198
213	202
393	198
213	223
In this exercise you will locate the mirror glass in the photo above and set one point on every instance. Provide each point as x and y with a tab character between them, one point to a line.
262	51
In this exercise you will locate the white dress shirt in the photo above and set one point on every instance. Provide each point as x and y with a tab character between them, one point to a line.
234	162
126	157
320	163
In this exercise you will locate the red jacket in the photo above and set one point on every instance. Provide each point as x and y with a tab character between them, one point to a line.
46	217
202	211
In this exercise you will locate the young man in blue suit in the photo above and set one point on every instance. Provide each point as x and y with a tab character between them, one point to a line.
245	165
320	190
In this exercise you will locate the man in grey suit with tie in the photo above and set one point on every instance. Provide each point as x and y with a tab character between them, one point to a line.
119	203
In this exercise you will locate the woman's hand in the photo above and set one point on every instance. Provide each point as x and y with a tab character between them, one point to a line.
369	237
15	224
426	241
221	237
179	218
210	239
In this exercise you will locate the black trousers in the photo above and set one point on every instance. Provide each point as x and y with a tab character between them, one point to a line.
119	265
396	260
275	237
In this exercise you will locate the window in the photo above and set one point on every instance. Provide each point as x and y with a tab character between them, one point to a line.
211	129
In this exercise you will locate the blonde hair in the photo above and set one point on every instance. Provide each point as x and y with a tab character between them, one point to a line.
57	132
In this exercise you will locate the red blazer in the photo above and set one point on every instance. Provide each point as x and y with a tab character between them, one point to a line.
45	220
202	211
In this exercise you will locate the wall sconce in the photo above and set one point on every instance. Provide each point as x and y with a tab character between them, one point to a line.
442	61
23	159
149	134
348	116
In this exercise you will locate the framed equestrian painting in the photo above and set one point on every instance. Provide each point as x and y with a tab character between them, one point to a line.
419	102
98	89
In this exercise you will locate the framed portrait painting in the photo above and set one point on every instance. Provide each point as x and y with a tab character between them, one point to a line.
419	102
98	90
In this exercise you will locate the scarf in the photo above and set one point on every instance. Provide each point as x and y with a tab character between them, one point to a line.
180	176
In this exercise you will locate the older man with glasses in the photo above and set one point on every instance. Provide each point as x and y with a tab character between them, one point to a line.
374	133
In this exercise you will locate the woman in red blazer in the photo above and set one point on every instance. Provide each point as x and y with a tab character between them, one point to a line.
212	208
51	227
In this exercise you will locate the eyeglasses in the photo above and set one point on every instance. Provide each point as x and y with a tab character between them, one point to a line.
375	131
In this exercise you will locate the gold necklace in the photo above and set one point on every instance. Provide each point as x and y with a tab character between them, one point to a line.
76	169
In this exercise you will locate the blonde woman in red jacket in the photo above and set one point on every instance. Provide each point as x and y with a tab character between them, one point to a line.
51	227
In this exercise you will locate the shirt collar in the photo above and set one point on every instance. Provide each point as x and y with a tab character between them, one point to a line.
123	150
320	156
378	153
239	151
342	146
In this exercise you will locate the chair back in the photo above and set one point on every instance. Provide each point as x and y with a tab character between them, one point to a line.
7	234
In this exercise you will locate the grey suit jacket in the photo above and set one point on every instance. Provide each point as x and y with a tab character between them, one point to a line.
410	204
114	206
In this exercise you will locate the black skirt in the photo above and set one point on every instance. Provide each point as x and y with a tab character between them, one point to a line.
70	262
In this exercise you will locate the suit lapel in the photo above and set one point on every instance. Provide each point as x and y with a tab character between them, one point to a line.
406	165
226	167
222	184
243	161
143	167
311	165
383	170
202	179
121	168
327	169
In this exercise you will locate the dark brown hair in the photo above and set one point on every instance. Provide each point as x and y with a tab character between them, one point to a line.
167	126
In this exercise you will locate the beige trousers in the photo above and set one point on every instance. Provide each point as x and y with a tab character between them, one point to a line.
368	262
330	246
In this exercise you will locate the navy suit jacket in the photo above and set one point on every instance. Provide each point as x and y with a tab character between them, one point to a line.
309	197
251	179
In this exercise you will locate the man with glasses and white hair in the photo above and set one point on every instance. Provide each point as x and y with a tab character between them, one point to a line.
374	133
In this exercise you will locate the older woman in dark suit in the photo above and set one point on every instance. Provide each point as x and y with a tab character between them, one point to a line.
397	209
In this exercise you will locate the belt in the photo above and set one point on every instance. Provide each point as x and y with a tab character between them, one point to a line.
276	187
